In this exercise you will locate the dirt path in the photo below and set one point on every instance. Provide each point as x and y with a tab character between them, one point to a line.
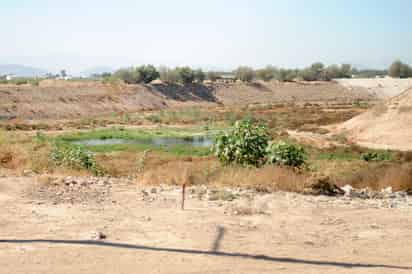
148	233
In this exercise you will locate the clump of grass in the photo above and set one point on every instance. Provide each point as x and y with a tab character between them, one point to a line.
221	195
266	179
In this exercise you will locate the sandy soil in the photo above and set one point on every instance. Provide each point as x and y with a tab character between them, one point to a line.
298	234
387	126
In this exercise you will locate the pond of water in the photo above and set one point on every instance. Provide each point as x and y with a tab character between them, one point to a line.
197	141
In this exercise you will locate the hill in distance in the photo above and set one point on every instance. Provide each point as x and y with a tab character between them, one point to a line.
21	70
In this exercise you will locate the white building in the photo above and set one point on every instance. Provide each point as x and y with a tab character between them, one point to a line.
10	77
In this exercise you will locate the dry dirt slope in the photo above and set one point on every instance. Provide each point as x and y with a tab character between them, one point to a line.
388	125
59	99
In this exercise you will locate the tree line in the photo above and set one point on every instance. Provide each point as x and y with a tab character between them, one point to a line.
315	72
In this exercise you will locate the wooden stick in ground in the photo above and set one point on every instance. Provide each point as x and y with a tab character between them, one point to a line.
183	195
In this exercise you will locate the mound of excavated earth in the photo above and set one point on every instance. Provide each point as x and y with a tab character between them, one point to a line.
66	99
381	87
388	125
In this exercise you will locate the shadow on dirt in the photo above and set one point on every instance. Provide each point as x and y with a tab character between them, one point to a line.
189	92
209	253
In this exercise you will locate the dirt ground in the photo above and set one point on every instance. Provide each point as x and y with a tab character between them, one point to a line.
386	126
61	99
148	233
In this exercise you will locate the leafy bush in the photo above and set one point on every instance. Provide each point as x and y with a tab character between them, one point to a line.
245	144
376	156
73	156
282	153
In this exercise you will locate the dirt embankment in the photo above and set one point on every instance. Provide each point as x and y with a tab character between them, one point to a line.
381	87
60	100
387	125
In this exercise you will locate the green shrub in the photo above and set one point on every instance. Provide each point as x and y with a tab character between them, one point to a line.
376	156
245	144
282	153
74	156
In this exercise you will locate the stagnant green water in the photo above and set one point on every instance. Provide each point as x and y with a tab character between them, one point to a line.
195	141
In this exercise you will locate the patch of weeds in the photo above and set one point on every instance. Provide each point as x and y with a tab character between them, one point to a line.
360	104
376	156
221	195
340	138
39	138
154	118
72	156
339	154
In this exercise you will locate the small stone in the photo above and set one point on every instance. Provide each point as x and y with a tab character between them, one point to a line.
28	173
347	189
153	190
97	235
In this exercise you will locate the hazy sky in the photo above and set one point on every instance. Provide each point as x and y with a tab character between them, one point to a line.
77	35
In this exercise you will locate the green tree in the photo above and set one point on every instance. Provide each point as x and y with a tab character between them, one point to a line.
147	73
395	69
245	74
266	74
346	71
185	75
127	75
200	76
212	76
168	75
405	71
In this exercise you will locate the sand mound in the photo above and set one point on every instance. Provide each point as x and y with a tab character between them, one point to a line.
388	125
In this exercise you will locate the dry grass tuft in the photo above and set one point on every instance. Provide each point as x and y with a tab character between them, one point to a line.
382	175
266	179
